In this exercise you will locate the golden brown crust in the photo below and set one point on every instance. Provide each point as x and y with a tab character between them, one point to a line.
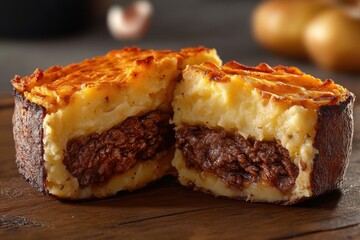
28	135
283	84
334	142
55	87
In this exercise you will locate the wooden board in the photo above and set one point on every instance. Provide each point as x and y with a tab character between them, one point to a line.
166	210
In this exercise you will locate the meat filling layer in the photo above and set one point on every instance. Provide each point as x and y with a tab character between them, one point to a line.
93	159
235	159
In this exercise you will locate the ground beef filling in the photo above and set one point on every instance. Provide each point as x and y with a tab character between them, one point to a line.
235	159
93	159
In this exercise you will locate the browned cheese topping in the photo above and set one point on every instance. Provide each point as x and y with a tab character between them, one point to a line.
93	159
287	85
235	159
56	87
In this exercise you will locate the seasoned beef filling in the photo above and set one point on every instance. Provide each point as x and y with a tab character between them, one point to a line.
235	159
93	159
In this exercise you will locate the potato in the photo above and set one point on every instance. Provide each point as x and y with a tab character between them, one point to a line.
279	24
333	40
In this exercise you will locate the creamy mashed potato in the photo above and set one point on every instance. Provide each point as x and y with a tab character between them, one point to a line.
97	110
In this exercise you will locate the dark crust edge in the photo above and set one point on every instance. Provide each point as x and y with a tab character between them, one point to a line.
28	137
333	140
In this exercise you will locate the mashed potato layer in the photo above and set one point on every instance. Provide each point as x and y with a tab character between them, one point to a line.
97	110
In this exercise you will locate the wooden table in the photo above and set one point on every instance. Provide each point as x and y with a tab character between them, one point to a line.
166	210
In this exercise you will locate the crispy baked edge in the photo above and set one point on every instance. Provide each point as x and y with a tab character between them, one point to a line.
28	137
333	140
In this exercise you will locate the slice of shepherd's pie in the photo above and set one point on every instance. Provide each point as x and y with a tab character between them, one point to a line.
262	134
100	126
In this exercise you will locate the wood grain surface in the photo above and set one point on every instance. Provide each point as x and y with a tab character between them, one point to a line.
166	210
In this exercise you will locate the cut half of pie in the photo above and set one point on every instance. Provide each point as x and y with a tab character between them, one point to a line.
97	127
261	134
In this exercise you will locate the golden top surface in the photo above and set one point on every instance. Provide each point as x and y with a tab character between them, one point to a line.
118	68
280	83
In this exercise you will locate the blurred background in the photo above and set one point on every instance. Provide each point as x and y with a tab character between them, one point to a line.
42	33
